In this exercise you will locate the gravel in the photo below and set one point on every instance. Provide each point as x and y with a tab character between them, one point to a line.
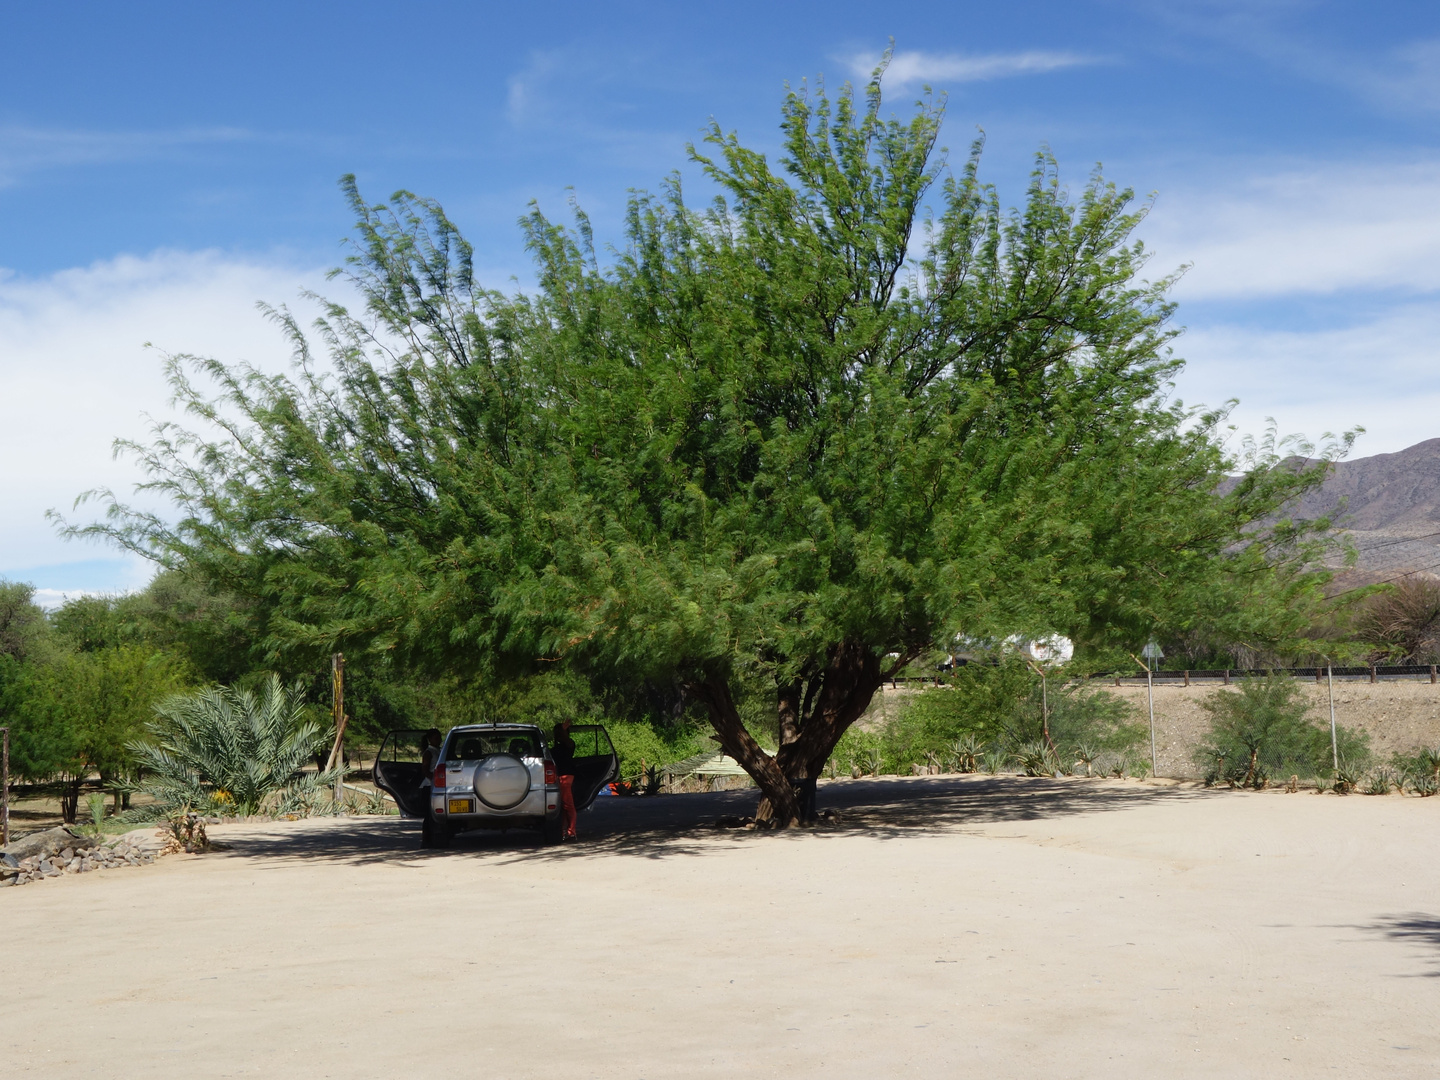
82	857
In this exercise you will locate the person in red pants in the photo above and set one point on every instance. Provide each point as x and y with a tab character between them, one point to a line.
562	748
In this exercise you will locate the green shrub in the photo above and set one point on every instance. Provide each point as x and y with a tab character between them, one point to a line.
984	708
640	744
1261	729
230	750
1097	720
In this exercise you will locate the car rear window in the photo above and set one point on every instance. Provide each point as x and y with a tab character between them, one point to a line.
473	745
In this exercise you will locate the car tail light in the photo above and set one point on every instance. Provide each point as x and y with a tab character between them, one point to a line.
552	775
438	780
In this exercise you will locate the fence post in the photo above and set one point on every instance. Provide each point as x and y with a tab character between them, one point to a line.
1150	693
1334	743
1227	676
1187	678
1432	674
1372	673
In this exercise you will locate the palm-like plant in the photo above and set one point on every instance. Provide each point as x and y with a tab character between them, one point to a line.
230	748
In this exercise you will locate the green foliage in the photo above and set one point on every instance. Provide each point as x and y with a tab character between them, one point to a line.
22	622
175	613
95	805
996	703
641	743
965	754
76	712
1037	759
1261	730
1419	770
1081	716
40	740
843	412
1382	781
229	750
640	737
998	706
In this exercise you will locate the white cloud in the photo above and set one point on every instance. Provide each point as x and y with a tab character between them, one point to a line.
1378	374
1320	229
28	149
1409	77
1284	34
50	599
75	374
911	67
530	95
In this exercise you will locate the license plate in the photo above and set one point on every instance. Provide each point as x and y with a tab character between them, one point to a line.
460	806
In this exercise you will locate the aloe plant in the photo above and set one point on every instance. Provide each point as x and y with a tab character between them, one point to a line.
1424	784
1037	759
1347	778
965	754
1381	782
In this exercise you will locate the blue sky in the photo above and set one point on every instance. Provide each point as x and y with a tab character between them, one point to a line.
163	167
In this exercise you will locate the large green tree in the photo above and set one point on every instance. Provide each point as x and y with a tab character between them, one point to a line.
842	413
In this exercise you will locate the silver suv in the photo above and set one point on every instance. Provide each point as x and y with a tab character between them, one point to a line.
491	776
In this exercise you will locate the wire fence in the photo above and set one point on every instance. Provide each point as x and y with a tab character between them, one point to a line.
1361	673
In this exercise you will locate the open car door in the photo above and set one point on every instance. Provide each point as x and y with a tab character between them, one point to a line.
400	771
596	763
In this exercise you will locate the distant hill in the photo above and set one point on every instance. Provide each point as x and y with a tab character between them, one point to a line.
1398	492
1391	508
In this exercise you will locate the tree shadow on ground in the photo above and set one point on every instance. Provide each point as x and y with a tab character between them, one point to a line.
676	825
1417	928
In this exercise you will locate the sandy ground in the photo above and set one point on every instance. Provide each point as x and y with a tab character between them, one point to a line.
946	926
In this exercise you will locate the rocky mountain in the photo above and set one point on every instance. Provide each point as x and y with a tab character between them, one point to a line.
1390	505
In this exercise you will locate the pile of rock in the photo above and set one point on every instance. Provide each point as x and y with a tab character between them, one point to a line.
58	851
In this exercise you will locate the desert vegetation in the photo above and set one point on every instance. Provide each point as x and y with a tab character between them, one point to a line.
783	445
995	717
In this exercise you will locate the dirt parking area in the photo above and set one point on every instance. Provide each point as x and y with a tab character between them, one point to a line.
942	926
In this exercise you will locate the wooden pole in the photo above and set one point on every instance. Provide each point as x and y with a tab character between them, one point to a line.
337	690
1044	703
1045	712
5	787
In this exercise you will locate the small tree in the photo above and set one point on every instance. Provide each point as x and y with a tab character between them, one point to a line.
1262	728
75	712
22	622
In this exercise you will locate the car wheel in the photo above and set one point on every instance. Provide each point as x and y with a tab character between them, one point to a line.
552	830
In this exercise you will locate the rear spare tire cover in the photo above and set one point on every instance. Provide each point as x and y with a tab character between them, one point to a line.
502	781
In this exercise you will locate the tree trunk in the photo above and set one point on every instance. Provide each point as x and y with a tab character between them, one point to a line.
809	727
736	741
70	799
